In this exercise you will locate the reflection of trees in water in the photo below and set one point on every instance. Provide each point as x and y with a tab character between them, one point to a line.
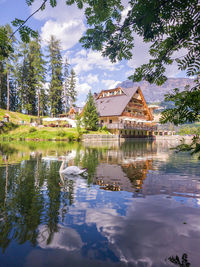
140	147
180	262
24	203
29	196
53	204
90	161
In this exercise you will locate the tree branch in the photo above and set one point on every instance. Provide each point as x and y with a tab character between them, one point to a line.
44	2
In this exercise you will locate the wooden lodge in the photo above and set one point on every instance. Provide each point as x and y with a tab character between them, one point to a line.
125	113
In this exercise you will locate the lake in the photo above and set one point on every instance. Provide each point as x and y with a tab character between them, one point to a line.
139	205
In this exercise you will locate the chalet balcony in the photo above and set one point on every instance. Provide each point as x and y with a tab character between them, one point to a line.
127	126
128	114
135	105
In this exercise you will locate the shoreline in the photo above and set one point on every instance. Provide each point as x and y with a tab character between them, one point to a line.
99	137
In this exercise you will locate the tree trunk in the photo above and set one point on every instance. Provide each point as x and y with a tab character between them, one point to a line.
65	99
8	90
38	104
0	83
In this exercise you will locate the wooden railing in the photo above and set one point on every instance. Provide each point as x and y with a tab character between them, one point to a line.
127	126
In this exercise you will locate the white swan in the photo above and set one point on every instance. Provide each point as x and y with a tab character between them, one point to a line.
72	170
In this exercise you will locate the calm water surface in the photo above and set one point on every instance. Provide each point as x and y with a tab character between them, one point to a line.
138	206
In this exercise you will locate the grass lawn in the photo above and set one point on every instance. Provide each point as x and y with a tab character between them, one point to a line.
38	133
16	117
14	130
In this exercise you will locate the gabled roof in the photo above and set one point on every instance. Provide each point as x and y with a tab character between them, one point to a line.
115	105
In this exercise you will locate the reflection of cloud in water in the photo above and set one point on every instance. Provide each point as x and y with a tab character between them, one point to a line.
150	232
153	229
66	238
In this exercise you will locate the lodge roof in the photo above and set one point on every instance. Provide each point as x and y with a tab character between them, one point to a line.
114	105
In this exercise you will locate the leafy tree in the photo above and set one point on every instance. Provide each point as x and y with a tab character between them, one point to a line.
186	108
90	115
56	87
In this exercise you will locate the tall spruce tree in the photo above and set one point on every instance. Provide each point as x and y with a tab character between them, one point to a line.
65	85
37	67
71	92
90	115
9	64
6	52
56	87
22	77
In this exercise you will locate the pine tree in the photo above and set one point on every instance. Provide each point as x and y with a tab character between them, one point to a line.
56	88
5	64
9	64
38	67
90	115
43	102
22	76
71	92
65	86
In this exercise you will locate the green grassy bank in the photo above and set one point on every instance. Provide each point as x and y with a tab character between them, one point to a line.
15	131
41	134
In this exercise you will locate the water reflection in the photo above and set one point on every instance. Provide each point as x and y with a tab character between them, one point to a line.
139	205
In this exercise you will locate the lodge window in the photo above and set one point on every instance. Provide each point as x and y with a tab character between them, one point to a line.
110	121
101	121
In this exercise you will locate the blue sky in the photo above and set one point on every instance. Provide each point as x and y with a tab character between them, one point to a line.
68	25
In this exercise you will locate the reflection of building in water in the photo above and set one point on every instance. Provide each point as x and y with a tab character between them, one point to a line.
126	168
127	176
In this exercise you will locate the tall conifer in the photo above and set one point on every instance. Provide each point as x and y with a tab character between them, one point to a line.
66	85
56	88
90	115
72	93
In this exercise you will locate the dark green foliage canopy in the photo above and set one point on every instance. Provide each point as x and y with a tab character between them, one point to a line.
168	24
90	115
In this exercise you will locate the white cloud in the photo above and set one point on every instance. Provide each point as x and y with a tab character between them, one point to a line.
68	33
91	78
90	60
125	13
110	84
64	22
82	88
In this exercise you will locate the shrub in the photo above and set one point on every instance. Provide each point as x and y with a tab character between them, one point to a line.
71	137
32	130
61	133
104	128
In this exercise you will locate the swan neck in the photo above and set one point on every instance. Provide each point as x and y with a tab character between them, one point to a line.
62	166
